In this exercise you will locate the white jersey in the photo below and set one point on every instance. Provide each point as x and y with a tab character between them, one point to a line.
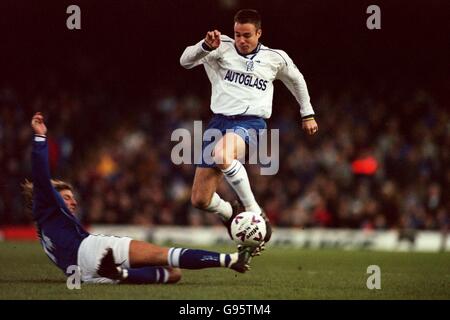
243	84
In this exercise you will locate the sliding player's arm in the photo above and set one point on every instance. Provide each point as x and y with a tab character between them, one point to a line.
44	195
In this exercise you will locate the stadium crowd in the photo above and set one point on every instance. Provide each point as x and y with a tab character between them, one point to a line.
381	159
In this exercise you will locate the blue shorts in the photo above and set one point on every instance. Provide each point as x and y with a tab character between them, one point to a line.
247	127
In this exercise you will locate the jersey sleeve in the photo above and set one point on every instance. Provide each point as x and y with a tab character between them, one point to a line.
292	78
197	54
44	195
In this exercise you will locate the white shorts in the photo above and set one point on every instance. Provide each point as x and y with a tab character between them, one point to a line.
93	248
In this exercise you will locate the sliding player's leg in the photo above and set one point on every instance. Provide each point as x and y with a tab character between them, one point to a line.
149	263
144	253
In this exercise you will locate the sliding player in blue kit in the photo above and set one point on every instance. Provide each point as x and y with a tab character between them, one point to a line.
100	258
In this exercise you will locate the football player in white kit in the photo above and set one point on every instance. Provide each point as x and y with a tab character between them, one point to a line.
241	72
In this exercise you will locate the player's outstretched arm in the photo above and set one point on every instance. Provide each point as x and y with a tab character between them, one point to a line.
43	192
198	53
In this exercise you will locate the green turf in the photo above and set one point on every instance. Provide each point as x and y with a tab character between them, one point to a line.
280	273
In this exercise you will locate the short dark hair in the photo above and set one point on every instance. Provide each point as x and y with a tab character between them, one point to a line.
248	16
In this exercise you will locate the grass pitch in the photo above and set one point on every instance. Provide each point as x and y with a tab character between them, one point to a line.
280	273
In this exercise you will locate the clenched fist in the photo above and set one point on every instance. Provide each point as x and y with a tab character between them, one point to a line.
212	39
38	125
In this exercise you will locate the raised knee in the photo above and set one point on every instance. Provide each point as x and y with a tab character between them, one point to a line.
174	275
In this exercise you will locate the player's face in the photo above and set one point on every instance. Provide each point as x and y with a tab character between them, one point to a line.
69	200
246	37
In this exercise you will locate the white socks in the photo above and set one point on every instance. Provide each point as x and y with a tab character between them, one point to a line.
237	177
220	207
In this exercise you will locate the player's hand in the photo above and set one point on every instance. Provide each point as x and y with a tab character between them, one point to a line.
310	126
38	125
212	39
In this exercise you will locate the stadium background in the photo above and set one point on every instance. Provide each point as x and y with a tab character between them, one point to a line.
114	91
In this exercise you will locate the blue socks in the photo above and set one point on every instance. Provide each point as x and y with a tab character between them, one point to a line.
197	259
145	275
178	258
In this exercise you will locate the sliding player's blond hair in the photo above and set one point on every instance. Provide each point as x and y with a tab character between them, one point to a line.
27	190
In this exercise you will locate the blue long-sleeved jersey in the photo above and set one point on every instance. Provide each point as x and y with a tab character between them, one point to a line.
60	232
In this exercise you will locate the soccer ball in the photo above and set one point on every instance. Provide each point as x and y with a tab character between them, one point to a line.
248	229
